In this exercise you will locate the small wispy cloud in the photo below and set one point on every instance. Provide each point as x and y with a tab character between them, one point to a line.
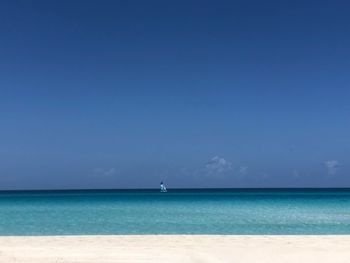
295	173
218	165
332	166
216	169
243	170
105	172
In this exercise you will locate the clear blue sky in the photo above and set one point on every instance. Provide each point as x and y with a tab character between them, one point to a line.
115	94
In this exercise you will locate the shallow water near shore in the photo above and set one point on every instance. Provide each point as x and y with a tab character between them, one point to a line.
255	212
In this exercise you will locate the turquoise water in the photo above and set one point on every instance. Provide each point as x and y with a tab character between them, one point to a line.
175	212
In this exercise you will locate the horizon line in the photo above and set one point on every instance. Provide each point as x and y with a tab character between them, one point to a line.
176	189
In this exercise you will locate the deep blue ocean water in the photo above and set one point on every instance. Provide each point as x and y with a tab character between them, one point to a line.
176	212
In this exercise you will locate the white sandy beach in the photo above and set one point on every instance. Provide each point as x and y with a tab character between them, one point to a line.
175	248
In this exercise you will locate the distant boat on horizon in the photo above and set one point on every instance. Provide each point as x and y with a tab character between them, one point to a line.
162	188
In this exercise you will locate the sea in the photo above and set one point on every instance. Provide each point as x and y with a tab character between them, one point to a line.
190	211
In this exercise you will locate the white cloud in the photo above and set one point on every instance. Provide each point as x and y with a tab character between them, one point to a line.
217	165
295	173
243	170
332	166
218	168
105	172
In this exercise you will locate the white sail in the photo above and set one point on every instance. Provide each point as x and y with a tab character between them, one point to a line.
162	187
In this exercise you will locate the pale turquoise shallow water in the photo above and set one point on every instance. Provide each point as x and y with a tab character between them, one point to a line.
176	212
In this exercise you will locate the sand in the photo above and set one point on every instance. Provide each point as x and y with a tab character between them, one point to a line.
175	248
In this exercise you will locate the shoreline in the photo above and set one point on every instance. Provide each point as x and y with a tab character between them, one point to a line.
175	248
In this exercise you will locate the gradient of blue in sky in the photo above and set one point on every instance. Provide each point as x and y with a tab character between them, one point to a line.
115	94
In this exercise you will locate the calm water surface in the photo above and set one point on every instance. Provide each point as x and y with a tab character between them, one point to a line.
175	212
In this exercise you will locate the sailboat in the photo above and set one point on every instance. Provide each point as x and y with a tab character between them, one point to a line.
162	188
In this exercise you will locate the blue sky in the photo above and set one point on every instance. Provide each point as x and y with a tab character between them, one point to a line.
123	94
